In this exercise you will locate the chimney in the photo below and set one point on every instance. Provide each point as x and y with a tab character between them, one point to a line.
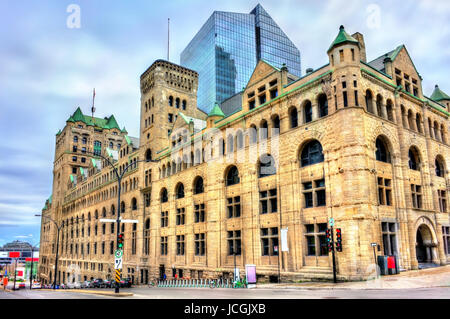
362	45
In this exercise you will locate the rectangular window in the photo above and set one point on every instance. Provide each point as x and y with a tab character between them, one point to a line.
341	56
147	199
272	83
389	232
353	54
384	191
164	246
273	93
200	244
170	117
164	219
180	218
442	201
446	239
316	239
180	245
344	94
269	241
262	99
74	159
356	98
234	207
251	104
416	192
268	201
314	193
199	213
234	242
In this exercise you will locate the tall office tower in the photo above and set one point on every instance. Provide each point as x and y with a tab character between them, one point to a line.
226	49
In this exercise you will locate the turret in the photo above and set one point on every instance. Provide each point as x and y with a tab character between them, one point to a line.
215	115
344	50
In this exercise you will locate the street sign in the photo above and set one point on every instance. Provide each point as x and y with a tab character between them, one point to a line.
118	253
373	244
331	222
14	254
118	263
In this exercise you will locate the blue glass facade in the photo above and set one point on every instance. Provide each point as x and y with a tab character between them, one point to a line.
226	49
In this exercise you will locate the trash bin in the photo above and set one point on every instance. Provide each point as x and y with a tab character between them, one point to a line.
383	264
392	265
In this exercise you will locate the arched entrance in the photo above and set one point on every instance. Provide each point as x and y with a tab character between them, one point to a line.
426	250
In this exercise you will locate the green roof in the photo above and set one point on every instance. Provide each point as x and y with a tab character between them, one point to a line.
124	130
439	95
216	111
59	133
342	37
106	123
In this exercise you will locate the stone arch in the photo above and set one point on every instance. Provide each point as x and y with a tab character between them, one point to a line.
426	242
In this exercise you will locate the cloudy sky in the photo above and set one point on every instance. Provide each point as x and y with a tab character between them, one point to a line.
48	69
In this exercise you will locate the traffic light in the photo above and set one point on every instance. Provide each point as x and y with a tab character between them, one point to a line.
329	242
338	239
120	241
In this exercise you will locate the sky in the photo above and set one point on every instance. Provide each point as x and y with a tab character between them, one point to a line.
48	69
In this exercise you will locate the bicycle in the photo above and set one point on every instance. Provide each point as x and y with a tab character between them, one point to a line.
212	284
153	283
240	284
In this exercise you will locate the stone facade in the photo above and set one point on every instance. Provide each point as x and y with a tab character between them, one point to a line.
358	142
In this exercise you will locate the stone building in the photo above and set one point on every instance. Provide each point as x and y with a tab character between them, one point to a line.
353	140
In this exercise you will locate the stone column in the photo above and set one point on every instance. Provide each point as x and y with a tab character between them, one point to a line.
383	111
315	111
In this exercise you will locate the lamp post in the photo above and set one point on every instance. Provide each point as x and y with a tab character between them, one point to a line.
58	228
119	176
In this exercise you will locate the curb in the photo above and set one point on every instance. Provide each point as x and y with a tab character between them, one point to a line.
350	288
104	293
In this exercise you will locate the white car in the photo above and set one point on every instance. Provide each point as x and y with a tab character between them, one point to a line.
74	285
36	285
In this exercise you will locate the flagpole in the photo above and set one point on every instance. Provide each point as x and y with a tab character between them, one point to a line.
93	106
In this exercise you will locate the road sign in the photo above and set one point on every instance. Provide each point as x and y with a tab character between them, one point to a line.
14	254
118	253
373	244
331	222
118	263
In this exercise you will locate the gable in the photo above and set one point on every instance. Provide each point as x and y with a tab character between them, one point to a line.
402	61
262	70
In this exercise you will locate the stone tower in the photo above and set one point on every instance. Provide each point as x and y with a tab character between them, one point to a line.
166	90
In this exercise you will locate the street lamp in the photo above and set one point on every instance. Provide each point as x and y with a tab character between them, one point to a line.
119	176
58	227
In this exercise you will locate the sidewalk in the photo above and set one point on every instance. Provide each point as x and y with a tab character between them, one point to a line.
425	278
98	292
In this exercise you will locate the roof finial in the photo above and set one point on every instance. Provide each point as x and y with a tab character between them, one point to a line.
341	27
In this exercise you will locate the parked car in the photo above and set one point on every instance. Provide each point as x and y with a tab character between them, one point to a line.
125	283
73	285
97	283
108	283
85	284
36	285
21	285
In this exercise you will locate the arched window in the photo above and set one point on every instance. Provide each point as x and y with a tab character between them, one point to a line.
148	155
410	120
439	167
443	134
239	140
389	110
183	104
230	142
75	139
276	124
436	131
177	103
253	137
414	159
170	100
198	185
103	213
307	108
232	176
134	204
369	101
164	197
323	105
419	123
312	153
379	105
147	237
382	153
198	156
113	210
263	130
179	190
266	166
96	214
293	117
122	207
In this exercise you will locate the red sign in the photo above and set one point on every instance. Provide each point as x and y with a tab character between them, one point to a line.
20	273
28	259
391	263
14	254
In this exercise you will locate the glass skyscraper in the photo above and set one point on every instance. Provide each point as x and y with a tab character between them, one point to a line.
226	49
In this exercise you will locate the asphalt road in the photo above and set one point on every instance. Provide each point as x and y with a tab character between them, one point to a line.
207	293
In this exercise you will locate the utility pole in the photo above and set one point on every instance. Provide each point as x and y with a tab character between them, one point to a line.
334	258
